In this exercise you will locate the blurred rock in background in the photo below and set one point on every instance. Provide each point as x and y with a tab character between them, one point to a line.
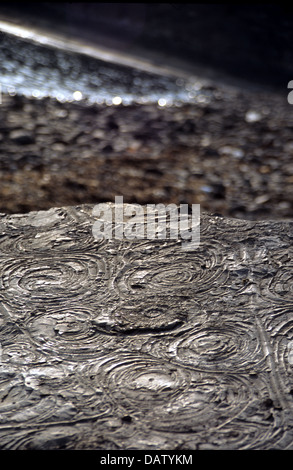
246	41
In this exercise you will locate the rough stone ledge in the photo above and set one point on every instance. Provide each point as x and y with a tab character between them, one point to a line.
117	344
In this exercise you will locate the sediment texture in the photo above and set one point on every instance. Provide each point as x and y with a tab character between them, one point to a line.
117	344
232	154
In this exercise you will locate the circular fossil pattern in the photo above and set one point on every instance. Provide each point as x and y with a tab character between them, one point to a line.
52	281
210	402
230	346
70	333
21	352
139	383
47	232
126	338
53	240
279	326
188	275
171	397
160	313
278	288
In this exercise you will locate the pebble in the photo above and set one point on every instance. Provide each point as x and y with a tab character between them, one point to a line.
262	199
252	116
21	137
234	152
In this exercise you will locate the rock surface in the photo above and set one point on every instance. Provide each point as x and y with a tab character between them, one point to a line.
119	344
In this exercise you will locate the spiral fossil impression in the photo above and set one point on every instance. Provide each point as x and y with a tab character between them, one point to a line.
133	344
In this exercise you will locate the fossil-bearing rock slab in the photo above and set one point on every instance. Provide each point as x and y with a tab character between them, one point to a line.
120	344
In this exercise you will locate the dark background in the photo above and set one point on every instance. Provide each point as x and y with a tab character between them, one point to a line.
252	42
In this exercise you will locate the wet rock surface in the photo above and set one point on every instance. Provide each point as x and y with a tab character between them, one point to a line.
139	344
229	150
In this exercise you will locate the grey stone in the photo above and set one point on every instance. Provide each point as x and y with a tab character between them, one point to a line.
21	137
140	344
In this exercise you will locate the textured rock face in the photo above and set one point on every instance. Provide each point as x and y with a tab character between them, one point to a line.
116	344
